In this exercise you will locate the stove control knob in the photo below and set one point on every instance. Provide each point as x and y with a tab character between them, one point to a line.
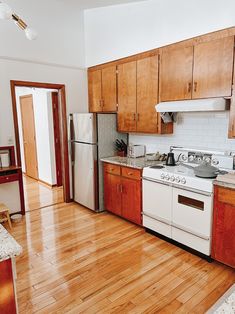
184	157
177	179
172	178
183	180
207	159
215	162
191	158
167	177
162	176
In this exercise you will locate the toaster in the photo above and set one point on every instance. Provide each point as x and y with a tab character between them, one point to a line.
135	151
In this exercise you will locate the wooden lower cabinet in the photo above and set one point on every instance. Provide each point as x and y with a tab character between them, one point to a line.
112	189
123	192
223	241
7	292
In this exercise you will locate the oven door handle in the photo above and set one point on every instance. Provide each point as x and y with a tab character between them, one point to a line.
188	230
160	219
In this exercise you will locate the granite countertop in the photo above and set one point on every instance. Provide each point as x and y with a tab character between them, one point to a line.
227	180
8	246
138	163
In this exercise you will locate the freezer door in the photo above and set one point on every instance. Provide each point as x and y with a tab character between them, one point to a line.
84	127
85	175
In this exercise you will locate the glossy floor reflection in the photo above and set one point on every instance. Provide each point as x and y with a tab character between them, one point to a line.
38	195
76	261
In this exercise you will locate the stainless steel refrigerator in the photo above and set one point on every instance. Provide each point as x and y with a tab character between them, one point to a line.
92	137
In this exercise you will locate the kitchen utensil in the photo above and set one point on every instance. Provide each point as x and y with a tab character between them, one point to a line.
205	170
170	161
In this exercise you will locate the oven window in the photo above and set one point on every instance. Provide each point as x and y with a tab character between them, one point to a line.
190	202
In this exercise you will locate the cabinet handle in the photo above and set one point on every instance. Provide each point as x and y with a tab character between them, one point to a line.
130	173
120	188
134	116
138	116
189	87
195	86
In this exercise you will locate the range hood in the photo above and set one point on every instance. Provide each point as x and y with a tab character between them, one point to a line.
210	104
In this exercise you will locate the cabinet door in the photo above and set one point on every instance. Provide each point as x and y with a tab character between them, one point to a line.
176	74
7	295
94	91
147	95
112	193
131	200
127	97
213	68
109	88
223	243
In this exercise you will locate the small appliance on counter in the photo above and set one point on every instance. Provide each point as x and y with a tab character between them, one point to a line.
170	160
135	151
4	159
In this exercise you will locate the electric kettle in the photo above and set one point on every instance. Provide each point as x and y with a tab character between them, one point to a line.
170	160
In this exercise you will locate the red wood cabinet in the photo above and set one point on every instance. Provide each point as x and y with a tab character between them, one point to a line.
7	294
223	241
122	192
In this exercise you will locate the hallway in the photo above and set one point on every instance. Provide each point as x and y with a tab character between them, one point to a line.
39	195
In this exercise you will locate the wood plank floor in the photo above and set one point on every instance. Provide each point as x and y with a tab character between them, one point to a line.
76	261
38	195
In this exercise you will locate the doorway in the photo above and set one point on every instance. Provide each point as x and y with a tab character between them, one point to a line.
39	112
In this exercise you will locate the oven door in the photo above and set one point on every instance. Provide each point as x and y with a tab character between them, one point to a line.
157	207
191	219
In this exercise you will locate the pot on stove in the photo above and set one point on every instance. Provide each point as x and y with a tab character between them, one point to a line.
205	170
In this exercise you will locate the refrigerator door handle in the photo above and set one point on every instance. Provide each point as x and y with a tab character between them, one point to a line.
72	145
71	127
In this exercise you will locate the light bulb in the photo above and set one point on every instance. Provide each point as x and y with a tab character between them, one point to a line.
5	11
30	33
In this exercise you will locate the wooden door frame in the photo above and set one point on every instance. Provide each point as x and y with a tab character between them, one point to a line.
22	97
57	139
64	130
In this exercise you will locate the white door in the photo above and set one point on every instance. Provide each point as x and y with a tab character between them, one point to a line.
157	207
85	168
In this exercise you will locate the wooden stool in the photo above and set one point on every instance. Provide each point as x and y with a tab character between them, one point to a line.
5	214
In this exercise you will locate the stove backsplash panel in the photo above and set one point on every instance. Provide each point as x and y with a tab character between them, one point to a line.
200	130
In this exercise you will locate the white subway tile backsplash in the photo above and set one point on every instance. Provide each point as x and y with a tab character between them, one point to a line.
199	130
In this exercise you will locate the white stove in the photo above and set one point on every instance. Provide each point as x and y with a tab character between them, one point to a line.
179	205
178	176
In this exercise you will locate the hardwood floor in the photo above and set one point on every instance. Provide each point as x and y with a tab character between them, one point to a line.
38	195
76	261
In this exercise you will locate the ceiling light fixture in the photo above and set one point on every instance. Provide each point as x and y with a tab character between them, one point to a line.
6	13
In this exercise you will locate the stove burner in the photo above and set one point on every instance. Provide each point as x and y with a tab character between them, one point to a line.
157	167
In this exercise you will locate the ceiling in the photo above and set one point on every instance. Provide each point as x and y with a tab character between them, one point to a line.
89	4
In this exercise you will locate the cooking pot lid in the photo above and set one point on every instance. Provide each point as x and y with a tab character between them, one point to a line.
205	167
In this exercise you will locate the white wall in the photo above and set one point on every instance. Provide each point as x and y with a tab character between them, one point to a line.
43	117
60	32
119	31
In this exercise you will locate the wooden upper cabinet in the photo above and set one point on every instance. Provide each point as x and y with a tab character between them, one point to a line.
109	89
102	90
127	97
176	74
213	68
147	95
94	90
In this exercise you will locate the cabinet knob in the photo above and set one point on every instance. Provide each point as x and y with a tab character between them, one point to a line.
130	173
189	87
195	86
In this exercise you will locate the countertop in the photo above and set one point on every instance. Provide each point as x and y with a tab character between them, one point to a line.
8	246
138	163
227	180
